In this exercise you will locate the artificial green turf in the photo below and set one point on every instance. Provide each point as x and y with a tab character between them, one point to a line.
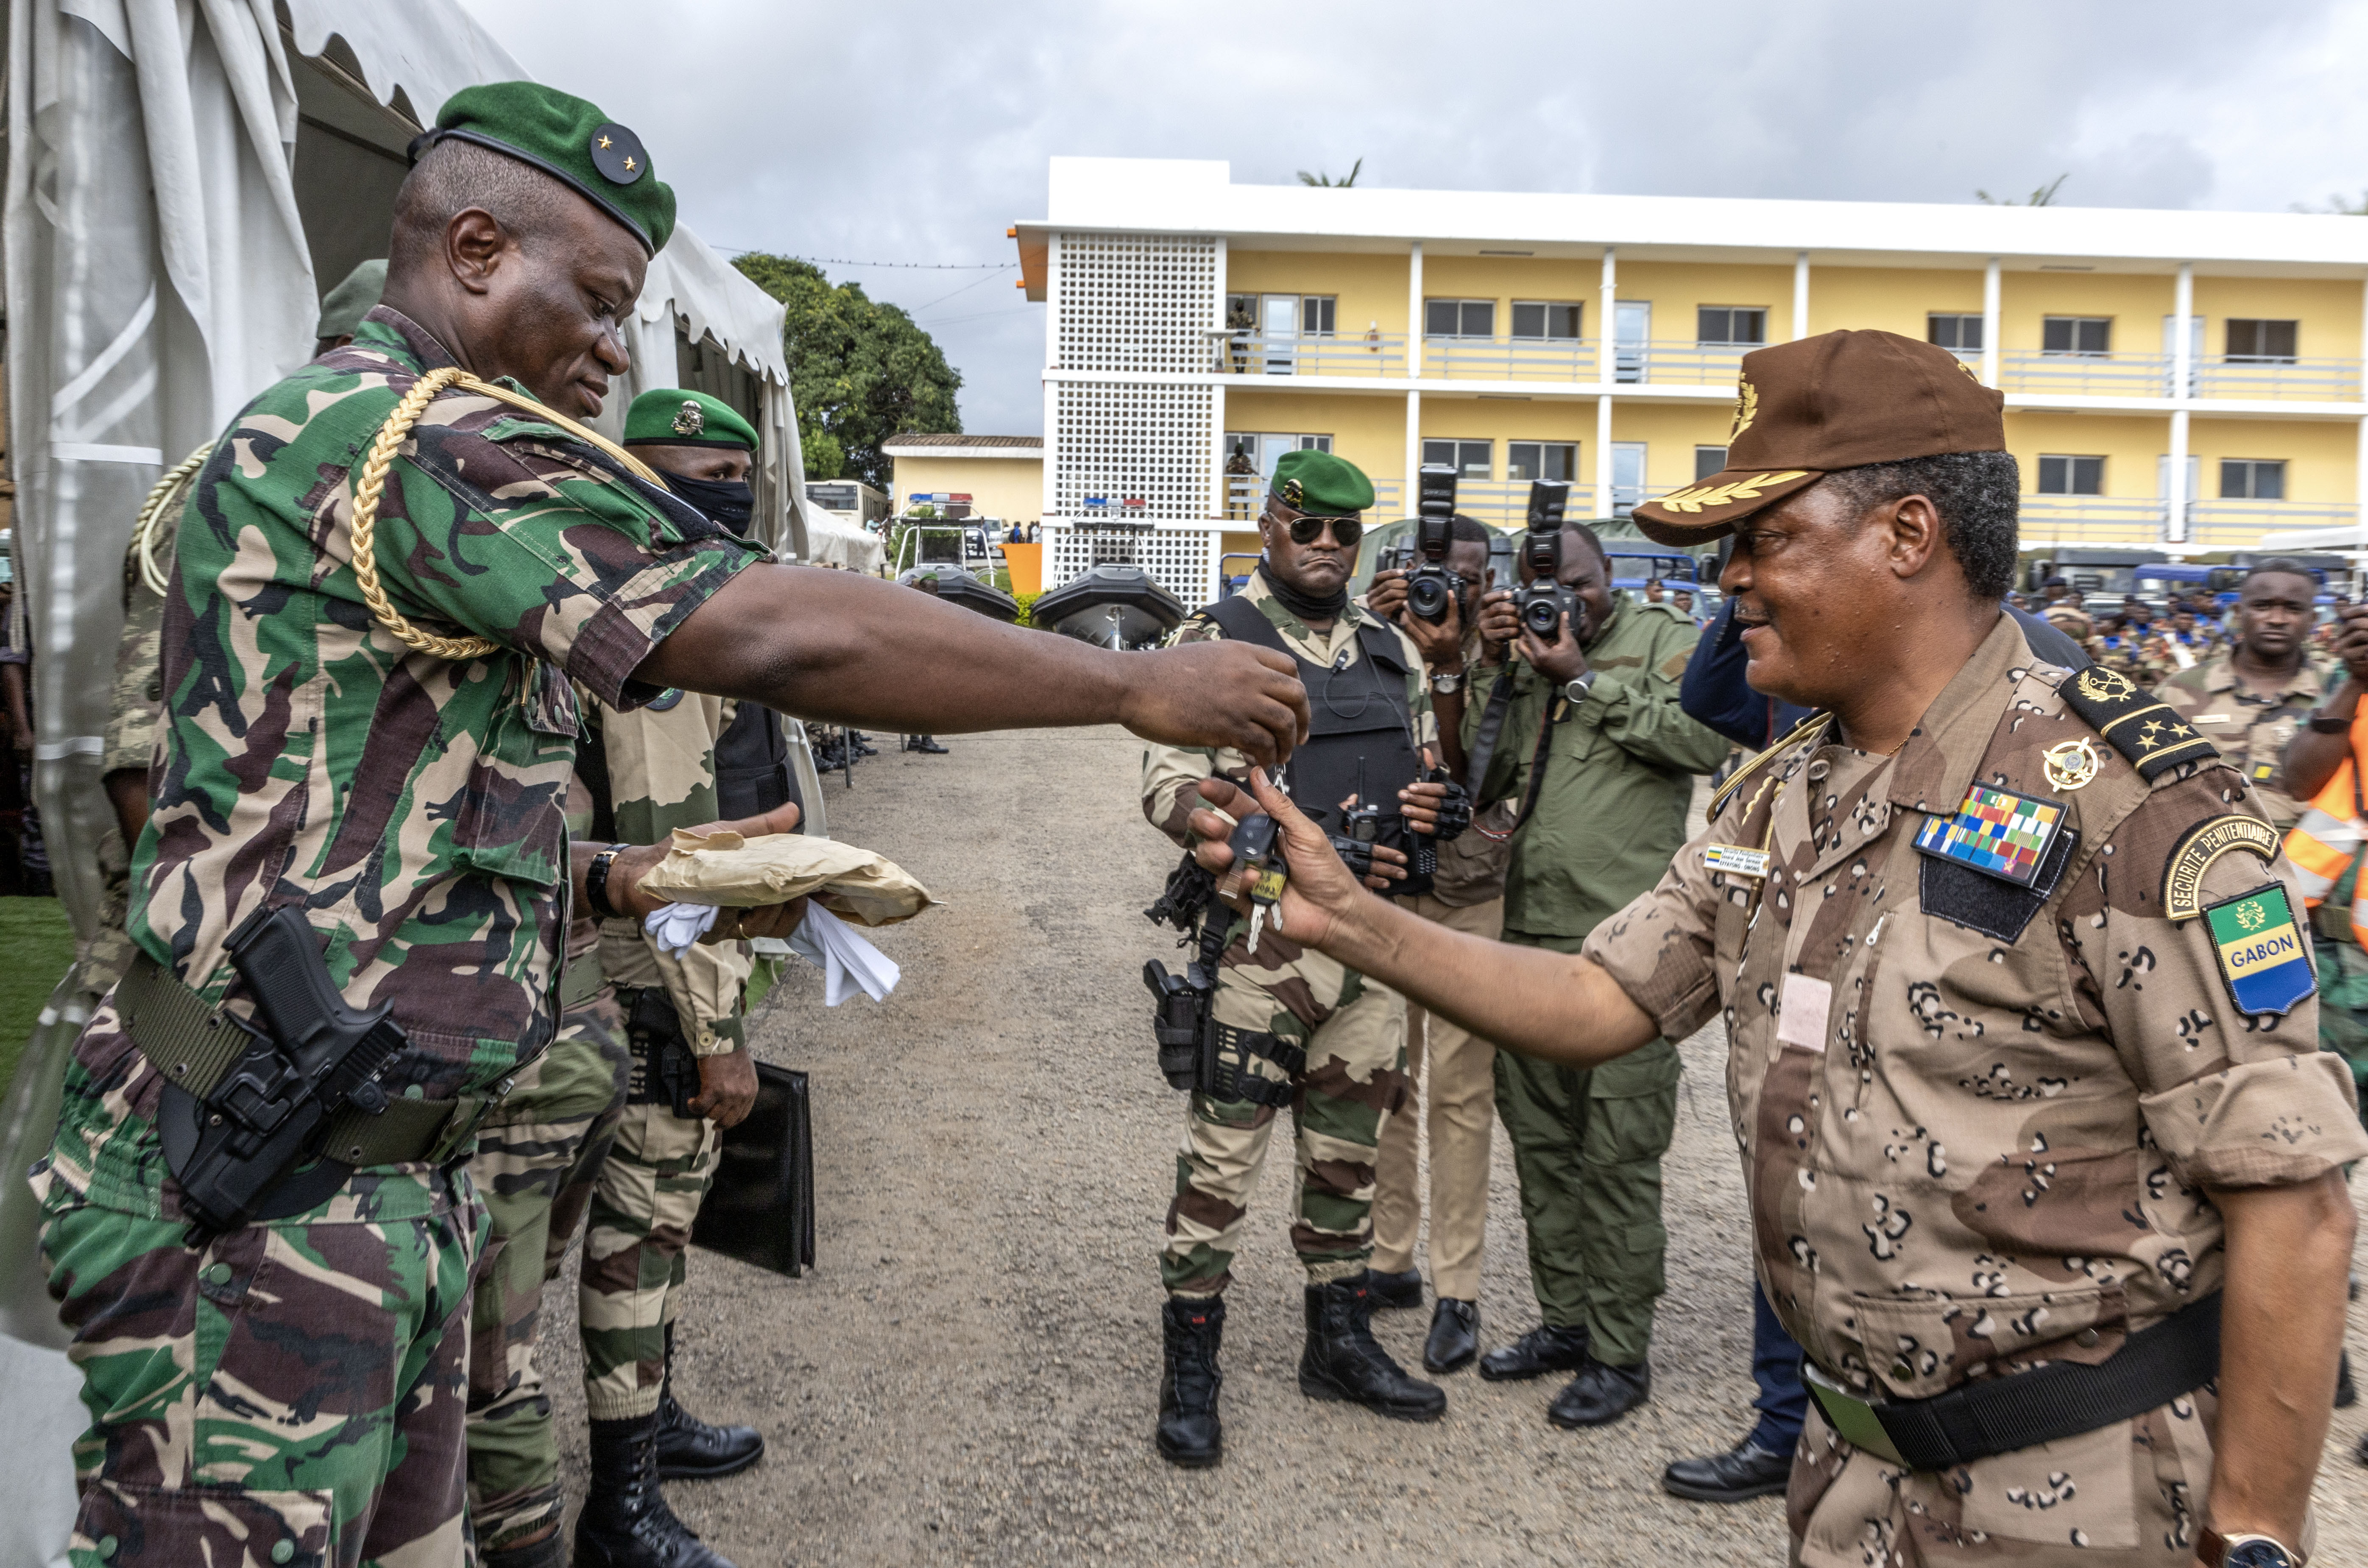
38	945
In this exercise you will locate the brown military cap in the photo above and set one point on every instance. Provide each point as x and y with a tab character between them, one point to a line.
1839	400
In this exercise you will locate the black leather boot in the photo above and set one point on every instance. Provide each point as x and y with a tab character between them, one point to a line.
626	1522
1454	1335
1600	1393
689	1448
1543	1349
1343	1360
1190	1434
1743	1472
1393	1292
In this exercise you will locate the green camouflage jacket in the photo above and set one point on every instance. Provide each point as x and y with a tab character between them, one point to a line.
410	806
1619	772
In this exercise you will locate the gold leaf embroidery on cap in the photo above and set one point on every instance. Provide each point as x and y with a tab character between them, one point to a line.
1748	488
1746	409
1970	374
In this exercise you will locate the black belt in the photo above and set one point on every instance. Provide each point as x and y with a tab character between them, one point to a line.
193	1042
2063	1399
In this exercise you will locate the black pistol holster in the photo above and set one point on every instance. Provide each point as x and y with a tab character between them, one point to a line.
666	1071
246	1104
1196	1052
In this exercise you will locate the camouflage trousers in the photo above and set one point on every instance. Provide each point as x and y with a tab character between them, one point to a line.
1587	1146
2343	1007
534	1166
1354	1034
643	1199
290	1393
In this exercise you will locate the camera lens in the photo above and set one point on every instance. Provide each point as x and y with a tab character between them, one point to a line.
1426	595
1542	616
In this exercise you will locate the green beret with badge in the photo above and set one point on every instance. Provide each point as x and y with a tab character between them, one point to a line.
569	138
1321	484
675	416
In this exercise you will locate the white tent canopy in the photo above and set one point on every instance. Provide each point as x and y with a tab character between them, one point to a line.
177	173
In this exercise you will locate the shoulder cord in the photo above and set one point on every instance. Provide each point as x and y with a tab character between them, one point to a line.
373	486
145	531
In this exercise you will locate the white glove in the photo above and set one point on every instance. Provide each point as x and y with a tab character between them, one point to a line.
676	927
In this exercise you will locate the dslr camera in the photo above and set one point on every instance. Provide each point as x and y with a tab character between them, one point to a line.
1431	588
1543	601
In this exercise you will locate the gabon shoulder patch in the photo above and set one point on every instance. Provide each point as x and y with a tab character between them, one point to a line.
2198	848
2263	956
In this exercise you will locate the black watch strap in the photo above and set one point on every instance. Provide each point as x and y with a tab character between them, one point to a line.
2329	724
595	884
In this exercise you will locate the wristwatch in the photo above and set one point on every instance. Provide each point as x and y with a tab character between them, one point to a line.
1577	690
1447	685
2325	724
596	883
2216	1551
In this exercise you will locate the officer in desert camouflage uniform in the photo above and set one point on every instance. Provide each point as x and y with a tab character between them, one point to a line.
290	1388
2248	699
2042	1162
1370	701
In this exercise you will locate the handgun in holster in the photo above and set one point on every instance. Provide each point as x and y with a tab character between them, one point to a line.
232	1150
1196	1052
670	1067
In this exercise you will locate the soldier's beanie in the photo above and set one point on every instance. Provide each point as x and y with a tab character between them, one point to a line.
350	301
671	416
568	139
1321	483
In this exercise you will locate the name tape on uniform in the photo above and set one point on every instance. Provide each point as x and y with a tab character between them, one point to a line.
1735	859
2262	956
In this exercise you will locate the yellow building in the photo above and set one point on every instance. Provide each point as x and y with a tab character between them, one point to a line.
1003	476
1198	325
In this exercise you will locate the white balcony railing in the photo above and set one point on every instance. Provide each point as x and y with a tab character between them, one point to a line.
1245	498
2239	525
2155	375
1252	353
2211	525
1510	359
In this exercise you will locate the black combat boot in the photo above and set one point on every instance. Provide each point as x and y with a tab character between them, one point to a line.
626	1522
690	1450
1190	1434
1343	1360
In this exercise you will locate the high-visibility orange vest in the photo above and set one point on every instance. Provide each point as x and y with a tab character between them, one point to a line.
2331	833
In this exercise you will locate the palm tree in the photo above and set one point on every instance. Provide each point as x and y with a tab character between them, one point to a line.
1328	182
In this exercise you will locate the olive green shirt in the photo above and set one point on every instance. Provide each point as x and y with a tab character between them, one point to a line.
1610	813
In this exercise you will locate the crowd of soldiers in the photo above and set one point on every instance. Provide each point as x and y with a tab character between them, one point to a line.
2044	1164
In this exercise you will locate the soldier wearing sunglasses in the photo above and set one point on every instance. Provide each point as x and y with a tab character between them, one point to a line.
1327	1045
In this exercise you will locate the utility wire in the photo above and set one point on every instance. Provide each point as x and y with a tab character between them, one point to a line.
910	266
966	288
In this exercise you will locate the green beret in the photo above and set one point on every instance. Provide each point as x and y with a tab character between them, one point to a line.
350	301
670	416
569	139
1321	483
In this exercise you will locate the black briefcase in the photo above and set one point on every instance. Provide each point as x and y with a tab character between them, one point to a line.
759	1209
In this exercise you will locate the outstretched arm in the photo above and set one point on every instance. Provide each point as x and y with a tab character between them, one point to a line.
1553	1006
849	649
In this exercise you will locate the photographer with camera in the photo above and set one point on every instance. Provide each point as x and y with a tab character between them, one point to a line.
1256	1024
1445	1062
1588	737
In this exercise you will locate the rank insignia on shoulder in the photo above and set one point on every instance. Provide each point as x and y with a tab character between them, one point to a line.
2198	848
2142	727
1735	859
2000	835
2261	953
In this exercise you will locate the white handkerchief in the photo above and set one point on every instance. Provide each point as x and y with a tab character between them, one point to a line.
674	927
847	961
1801	1011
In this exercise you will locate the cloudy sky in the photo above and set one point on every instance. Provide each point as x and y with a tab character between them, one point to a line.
916	132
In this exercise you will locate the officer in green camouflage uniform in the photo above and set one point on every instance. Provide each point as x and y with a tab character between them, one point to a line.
1619	757
1353	1032
411	805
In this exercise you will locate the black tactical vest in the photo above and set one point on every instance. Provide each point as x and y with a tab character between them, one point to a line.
752	765
1359	735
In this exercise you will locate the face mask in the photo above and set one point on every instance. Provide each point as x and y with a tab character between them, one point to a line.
730	502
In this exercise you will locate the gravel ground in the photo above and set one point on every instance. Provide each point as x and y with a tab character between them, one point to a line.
970	1371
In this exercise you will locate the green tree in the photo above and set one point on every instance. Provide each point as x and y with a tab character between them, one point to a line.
1328	182
860	371
2043	196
